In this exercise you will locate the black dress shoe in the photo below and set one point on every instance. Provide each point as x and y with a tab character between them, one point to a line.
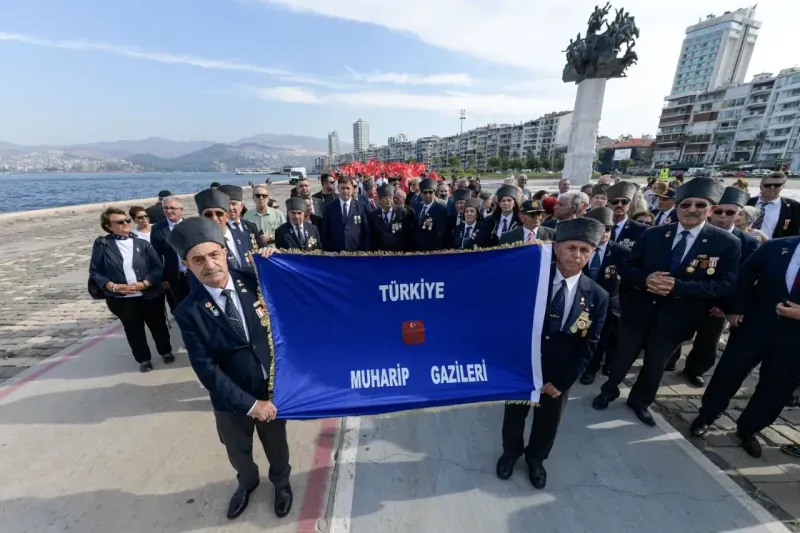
750	444
694	381
538	475
587	379
239	501
168	359
601	401
145	366
283	500
670	366
699	427
505	467
642	414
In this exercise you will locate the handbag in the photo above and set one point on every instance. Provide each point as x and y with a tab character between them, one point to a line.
95	290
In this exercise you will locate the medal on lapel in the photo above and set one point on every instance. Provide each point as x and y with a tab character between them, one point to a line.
786	223
668	234
241	286
712	263
692	265
261	312
211	308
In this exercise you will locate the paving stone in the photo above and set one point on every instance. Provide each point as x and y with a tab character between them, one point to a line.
774	438
787	431
725	423
723	439
785	495
792	416
685	406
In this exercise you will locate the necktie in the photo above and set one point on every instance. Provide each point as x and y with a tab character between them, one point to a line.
594	266
388	216
557	306
423	213
299	233
614	233
759	222
505	226
344	212
530	236
233	314
467	236
678	251
796	284
658	218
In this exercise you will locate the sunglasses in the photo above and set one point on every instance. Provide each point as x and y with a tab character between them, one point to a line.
772	185
142	217
620	201
688	205
609	228
215	214
720	212
121	222
261	195
428	192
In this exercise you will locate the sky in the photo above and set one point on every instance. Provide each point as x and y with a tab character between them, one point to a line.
219	70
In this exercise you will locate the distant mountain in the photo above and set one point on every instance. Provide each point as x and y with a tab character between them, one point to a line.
300	143
223	158
153	145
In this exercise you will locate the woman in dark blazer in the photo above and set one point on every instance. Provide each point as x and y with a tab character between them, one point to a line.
129	271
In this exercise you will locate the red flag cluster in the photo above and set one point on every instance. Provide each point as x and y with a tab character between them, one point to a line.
377	169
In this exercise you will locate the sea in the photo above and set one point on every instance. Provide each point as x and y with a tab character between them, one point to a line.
25	192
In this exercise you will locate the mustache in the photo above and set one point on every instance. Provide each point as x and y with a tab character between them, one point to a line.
211	271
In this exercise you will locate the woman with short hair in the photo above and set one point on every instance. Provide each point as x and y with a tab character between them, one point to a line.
142	221
129	271
746	217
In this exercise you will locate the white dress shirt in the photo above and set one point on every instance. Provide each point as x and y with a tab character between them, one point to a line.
569	298
507	219
691	238
620	226
468	228
772	211
526	232
794	266
343	204
424	212
232	246
126	250
237	225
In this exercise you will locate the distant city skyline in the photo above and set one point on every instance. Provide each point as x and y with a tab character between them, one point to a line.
100	71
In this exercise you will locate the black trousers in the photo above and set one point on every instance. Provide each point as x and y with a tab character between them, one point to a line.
236	433
178	291
658	347
546	418
134	313
604	346
704	348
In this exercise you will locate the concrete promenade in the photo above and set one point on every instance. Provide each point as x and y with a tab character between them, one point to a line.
89	444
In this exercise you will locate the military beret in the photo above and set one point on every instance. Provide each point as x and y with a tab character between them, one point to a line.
212	198
233	191
532	206
473	202
507	190
706	188
600	188
164	193
603	215
462	195
296	204
427	185
734	196
385	190
623	189
368	184
580	229
194	231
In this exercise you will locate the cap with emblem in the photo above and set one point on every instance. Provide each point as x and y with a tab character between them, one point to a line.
385	190
234	192
532	206
669	194
507	190
194	231
600	188
706	188
427	185
580	229
734	196
212	198
475	203
296	204
461	195
623	189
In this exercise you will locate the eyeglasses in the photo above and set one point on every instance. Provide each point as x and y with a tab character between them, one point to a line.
261	195
121	222
173	208
688	205
428	192
215	214
729	212
620	201
772	185
142	217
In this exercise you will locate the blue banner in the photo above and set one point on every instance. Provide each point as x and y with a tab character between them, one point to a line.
372	334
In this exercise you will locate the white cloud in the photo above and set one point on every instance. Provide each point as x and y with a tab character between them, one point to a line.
294	95
412	79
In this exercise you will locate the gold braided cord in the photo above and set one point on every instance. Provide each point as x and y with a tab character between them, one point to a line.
270	341
296	251
446	408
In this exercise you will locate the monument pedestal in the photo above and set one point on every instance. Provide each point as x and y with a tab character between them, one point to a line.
583	133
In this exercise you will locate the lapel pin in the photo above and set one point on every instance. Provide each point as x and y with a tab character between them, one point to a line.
784	251
705	240
668	235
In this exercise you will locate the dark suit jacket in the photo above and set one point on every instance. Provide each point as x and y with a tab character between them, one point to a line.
345	236
697	286
286	239
609	277
397	235
761	286
434	237
478	239
518	235
368	207
156	213
227	364
159	238
630	233
492	224
550	223
669	217
788	220
106	265
565	353
317	206
248	239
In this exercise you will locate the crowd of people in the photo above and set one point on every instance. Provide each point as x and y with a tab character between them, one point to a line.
638	271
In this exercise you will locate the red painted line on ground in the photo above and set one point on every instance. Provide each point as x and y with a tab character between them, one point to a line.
313	506
50	365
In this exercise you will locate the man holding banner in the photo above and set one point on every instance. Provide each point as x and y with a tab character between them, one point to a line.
573	321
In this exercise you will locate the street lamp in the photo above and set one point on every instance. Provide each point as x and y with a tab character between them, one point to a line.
463	117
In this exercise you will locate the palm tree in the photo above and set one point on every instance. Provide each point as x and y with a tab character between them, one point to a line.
756	143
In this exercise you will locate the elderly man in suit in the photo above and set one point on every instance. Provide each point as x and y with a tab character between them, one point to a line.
223	324
246	234
344	224
175	280
391	227
625	231
532	213
781	216
430	231
673	276
574	319
297	233
156	211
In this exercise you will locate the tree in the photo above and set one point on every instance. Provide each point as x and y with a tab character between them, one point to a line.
757	143
545	161
623	138
437	161
625	165
494	162
558	164
504	163
516	164
454	161
412	160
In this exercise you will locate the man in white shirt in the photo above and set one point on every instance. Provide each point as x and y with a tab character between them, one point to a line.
781	216
532	212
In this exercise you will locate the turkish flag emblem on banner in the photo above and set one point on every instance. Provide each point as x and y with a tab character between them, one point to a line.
413	332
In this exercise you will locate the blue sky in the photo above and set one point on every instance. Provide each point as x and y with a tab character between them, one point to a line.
89	70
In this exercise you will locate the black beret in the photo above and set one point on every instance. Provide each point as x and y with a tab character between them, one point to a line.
296	204
368	184
603	215
532	206
507	190
600	188
212	198
233	191
473	202
475	186
623	189
734	196
427	185
462	195
706	188
580	229
164	193
194	231
385	190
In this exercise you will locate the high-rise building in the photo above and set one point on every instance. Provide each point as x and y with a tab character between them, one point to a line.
716	52
399	138
360	136
333	145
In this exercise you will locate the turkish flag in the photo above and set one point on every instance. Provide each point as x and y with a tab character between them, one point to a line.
413	332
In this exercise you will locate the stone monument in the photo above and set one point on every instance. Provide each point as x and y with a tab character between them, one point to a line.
591	61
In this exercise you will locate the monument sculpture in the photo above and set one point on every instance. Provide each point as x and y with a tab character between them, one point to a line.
591	61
